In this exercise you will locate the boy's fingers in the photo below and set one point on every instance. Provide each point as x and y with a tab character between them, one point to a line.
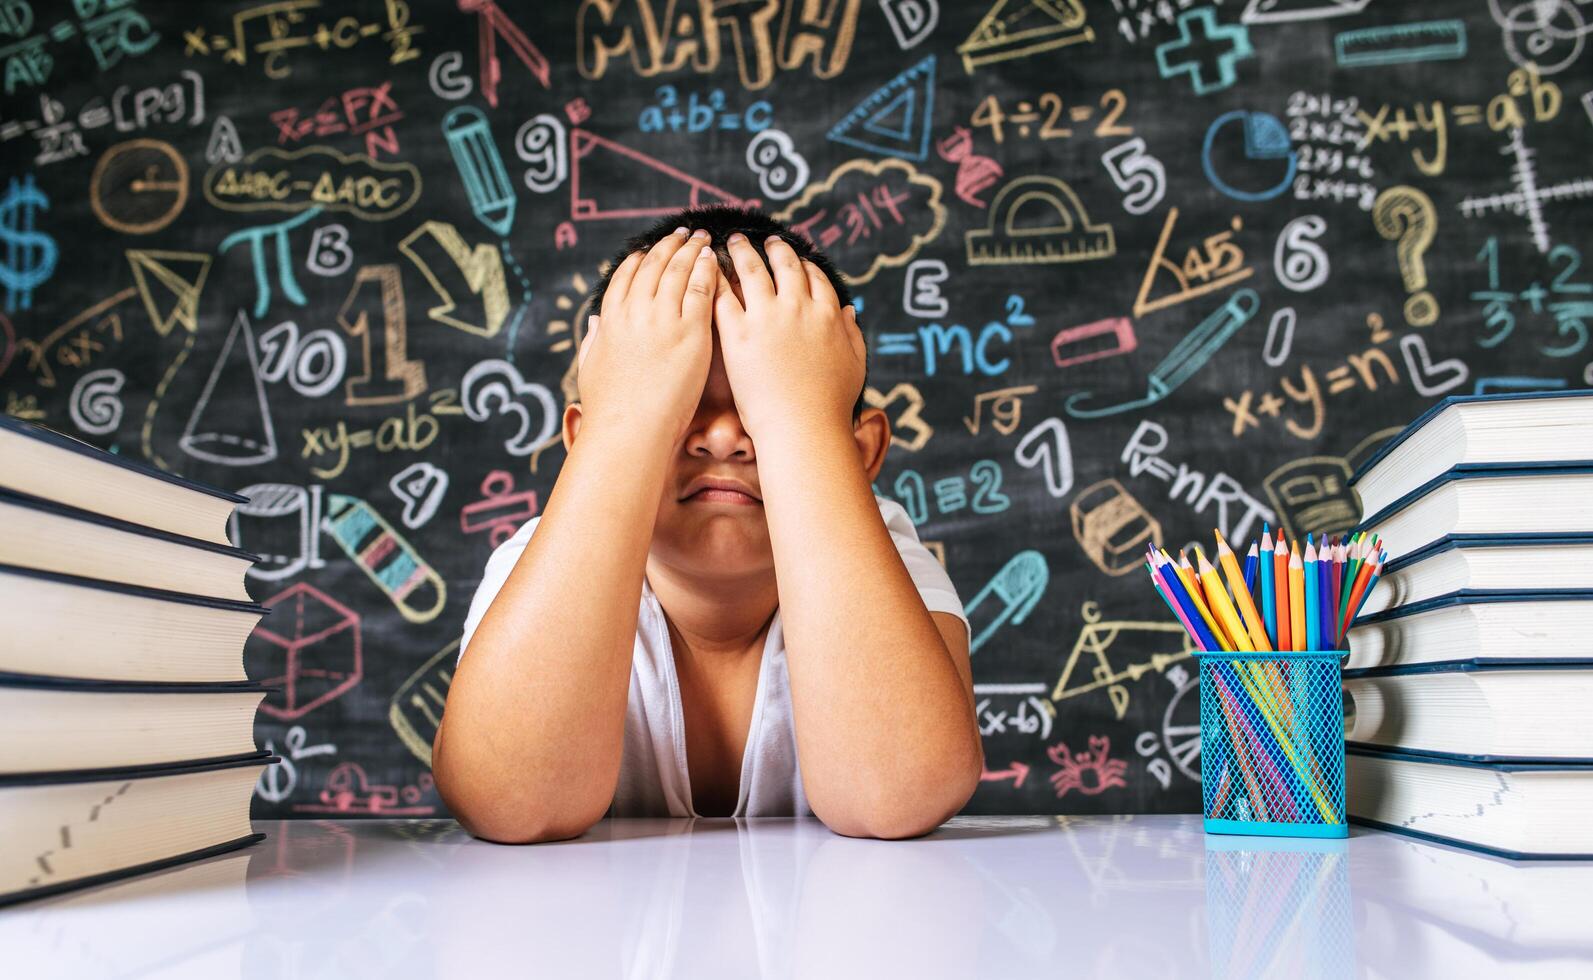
819	286
678	272
620	282
754	275
700	286
723	287
727	309
645	285
790	279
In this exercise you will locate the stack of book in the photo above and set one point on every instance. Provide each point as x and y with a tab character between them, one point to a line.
1470	674
126	717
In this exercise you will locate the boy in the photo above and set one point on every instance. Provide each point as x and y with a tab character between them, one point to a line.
713	591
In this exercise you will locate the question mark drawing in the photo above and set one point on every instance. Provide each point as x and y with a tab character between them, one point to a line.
1405	215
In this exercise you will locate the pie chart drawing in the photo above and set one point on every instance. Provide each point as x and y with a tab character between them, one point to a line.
1265	151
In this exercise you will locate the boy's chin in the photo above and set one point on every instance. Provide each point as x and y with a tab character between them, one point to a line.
718	543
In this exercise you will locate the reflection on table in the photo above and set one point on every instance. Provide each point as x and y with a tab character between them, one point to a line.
1011	897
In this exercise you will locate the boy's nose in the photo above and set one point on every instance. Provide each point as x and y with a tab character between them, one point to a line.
718	433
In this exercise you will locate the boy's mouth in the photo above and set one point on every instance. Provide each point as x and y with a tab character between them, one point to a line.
709	495
719	490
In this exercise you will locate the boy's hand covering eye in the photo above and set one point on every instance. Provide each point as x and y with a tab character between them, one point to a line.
793	354
645	358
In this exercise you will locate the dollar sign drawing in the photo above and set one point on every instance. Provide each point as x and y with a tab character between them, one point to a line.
30	255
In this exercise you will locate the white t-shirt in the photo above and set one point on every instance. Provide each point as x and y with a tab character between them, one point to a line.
653	779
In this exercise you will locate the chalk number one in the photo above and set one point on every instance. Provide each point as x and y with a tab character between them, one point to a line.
378	297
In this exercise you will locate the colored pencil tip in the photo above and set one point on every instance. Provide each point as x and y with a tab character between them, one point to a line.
1252	552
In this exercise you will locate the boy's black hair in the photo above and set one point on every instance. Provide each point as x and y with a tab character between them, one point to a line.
720	221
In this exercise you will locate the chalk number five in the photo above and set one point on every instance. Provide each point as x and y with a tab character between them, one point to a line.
1140	176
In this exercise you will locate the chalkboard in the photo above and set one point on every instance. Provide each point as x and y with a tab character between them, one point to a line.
1129	270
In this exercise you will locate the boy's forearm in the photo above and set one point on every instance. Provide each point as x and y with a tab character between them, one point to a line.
551	656
884	719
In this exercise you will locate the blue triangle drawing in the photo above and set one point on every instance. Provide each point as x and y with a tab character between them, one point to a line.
893	119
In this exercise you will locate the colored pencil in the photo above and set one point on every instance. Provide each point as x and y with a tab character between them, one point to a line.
1161	590
1287	747
1313	599
1221	605
1368	549
1186	575
1377	571
1355	594
1280	558
1247	768
1348	575
1324	597
1184	571
1192	584
1182	617
1270	751
1372	569
1308	597
1269	601
1322	591
1297	633
1185	606
1324	588
1338	585
1250	618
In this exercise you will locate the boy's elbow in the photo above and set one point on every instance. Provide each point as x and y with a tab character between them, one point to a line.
488	810
904	815
507	820
910	818
532	828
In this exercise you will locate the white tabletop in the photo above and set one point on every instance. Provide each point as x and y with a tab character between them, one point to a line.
1009	897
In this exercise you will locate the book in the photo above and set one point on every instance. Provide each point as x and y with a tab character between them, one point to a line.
1481	712
1495	500
126	714
1464	431
45	463
1516	810
1485	564
193	919
77	627
1530	916
57	538
1541	627
1450	947
69	830
54	725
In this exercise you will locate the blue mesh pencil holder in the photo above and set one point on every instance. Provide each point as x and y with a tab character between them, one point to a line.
1272	743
